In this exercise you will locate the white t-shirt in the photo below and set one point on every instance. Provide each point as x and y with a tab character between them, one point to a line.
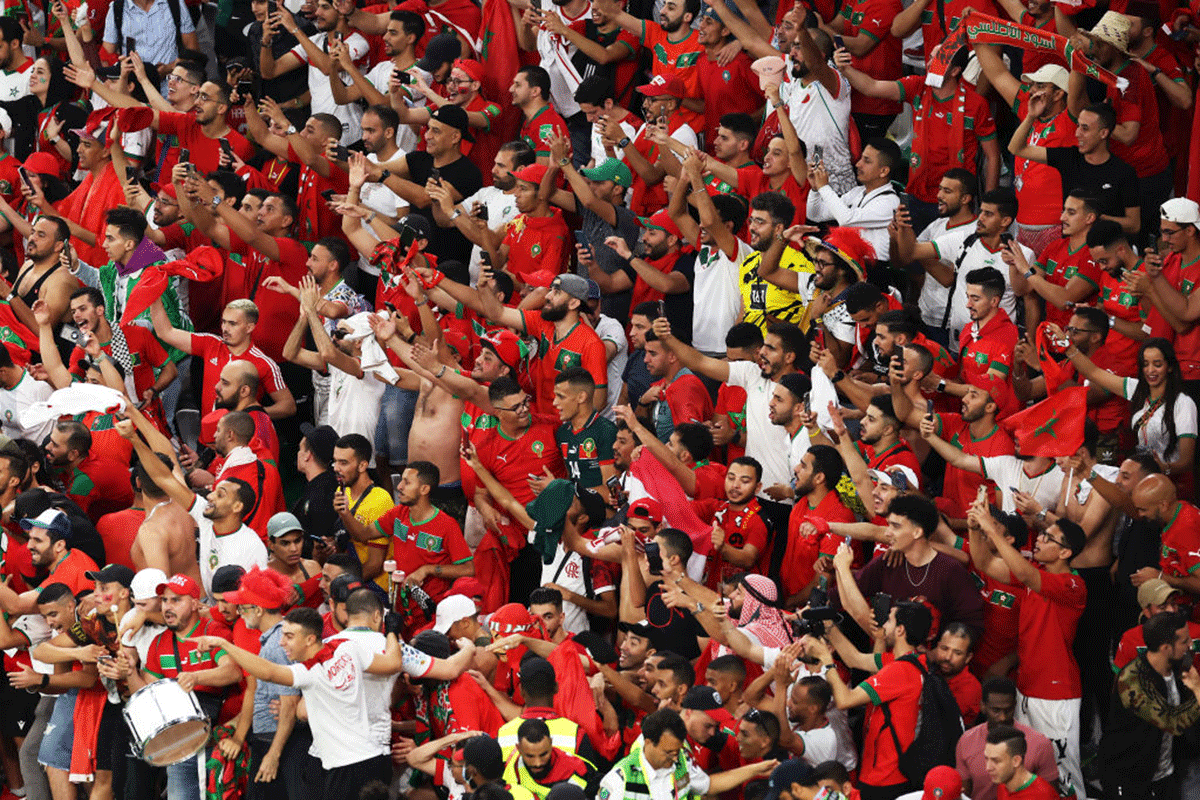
556	52
15	400
609	330
354	402
501	210
380	76
335	693
378	688
378	197
599	154
825	120
350	114
1008	472
1152	435
242	547
870	212
767	443
571	578
949	246
716	296
933	294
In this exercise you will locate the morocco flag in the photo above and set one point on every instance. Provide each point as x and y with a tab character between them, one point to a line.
499	51
1053	427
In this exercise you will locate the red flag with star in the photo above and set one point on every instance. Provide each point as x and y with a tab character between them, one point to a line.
1053	427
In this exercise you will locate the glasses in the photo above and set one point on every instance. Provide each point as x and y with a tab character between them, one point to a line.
1072	330
1168	231
826	262
180	79
1046	535
452	79
522	403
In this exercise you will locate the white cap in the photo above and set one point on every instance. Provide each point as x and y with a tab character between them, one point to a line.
886	477
451	609
1181	211
144	585
1053	74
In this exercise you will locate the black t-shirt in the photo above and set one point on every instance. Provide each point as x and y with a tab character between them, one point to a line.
1114	182
596	229
463	176
314	508
677	629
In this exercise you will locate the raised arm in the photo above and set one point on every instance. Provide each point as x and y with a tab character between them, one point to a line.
157	471
1019	144
1088	368
954	457
689	356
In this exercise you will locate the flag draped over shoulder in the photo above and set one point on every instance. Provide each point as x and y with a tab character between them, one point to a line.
976	28
498	50
202	264
1053	427
574	698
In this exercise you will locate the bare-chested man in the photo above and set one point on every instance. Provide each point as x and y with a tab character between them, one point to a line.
166	539
285	542
44	276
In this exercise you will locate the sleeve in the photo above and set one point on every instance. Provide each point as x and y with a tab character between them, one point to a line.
606	437
358	46
299	52
1065	588
1000	470
686	136
910	87
301	678
270	374
196	511
383	525
629	40
948	246
985	123
1126	650
885	685
595	361
687	400
172	123
153	664
748	180
1130	189
1128	109
1129	386
1185	416
741	373
757	535
1153	706
110	25
877	20
1059	157
456	546
700	782
413	662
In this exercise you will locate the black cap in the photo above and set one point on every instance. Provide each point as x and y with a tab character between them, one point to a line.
227	578
702	698
566	791
796	383
794	770
484	754
113	573
420	224
455	117
321	440
597	646
341	587
432	643
440	49
643	629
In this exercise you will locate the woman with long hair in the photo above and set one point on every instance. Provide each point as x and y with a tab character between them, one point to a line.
48	98
1164	418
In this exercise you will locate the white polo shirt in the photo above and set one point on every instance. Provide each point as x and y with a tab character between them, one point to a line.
349	114
767	443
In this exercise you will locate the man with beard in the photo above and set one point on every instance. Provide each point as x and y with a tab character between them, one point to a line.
999	702
49	549
1155	702
223	537
1112	250
43	277
956	196
811	734
174	654
358	503
709	729
763	301
237	389
739	534
530	92
242	456
783	169
868	206
954	651
18	391
165	538
787	409
97	484
732	81
817	504
238	322
732	143
659	270
685	454
464	84
402	31
1157	503
493	204
879	443
536	764
563	62
987	342
379	124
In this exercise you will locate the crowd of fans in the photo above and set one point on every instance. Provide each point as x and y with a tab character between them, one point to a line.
599	399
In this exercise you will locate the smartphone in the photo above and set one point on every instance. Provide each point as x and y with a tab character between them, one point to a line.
818	152
403	77
536	4
341	153
1005	238
272	8
226	148
819	598
881	607
407	237
481	212
662	308
654	562
929	408
899	353
328	194
582	240
904	199
25	177
185	155
839	43
245	90
130	173
435	175
130	45
485	259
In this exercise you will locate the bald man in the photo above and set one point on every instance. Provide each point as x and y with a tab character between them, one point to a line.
237	389
1179	564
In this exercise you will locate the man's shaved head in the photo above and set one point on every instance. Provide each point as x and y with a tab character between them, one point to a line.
1154	497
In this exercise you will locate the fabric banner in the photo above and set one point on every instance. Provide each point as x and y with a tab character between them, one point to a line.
976	28
498	50
1053	427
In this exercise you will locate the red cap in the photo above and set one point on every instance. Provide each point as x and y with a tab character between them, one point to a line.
646	508
506	345
470	66
43	164
262	587
468	587
169	190
942	783
1000	392
533	173
663	87
179	584
663	222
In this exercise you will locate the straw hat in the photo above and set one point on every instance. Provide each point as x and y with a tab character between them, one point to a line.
1113	28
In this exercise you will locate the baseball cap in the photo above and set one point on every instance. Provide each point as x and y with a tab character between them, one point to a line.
702	698
599	648
94	130
942	783
660	86
227	578
51	520
644	630
661	220
321	440
794	770
797	383
507	346
281	523
341	587
531	173
262	587
455	117
440	49
612	169
112	573
473	68
451	609
44	164
1155	591
484	754
1181	211
898	475
468	586
1048	73
593	290
146	582
572	284
646	508
1000	392
179	584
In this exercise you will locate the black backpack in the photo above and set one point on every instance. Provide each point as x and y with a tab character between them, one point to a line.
939	726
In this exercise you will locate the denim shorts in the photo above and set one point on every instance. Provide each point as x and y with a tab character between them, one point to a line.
59	737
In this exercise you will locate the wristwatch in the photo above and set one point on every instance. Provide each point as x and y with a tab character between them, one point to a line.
699	607
838	377
216	201
624	142
384	175
562	162
457	213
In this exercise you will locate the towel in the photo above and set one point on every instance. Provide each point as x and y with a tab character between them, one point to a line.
78	398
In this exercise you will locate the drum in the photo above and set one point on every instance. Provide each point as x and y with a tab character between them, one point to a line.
166	724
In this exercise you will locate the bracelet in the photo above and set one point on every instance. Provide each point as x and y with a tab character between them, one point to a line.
412	337
562	162
421	302
1112	321
46	678
371	218
1155	73
54	140
441	371
457	213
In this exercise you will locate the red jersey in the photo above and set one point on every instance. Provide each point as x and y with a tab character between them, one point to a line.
1061	264
678	57
1181	542
883	62
946	132
581	347
538	130
991	349
1133	644
937	22
176	130
215	355
802	551
743	527
1139	103
1046	636
1033	60
899	685
1113	413
72	570
687	399
1036	788
898	455
710	480
959	485
1000	624
146	354
736	85
100	486
170	654
276	311
263	478
118	530
537	247
752	182
417	543
316	218
1185	278
731	403
1117	302
1039	186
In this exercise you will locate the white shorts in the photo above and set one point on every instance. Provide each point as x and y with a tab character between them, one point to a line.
1058	721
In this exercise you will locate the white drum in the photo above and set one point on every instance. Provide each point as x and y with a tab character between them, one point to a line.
166	724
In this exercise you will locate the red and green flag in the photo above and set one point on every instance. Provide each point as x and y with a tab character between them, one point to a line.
1053	427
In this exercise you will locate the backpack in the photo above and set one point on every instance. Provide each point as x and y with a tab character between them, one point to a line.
939	725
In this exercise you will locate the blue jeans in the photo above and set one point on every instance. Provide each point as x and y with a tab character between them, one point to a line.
183	779
395	418
60	733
